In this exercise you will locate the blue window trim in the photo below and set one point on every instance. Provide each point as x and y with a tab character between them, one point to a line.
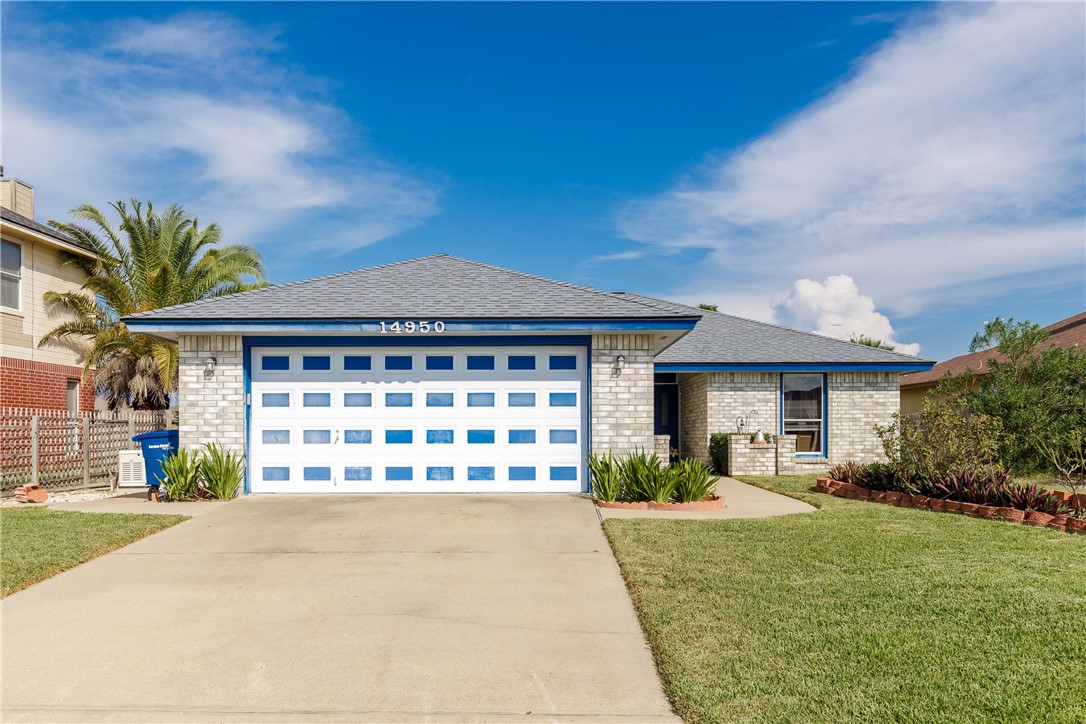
798	367
825	417
248	342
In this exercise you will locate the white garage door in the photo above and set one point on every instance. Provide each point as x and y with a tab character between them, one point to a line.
418	419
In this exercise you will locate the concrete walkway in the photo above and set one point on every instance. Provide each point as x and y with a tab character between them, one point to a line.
340	608
744	501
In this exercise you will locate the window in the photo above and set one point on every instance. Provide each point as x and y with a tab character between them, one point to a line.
317	437
398	362
521	437
480	473
398	473
11	275
439	473
561	437
522	473
277	473
522	399
480	437
439	399
563	362
803	412
439	362
357	399
275	399
357	473
317	473
357	437
563	473
316	362
480	399
357	362
522	362
563	399
399	399
398	437
276	437
316	399
480	362
275	363
439	437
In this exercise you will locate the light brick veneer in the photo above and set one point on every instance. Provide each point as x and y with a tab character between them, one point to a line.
212	404
622	399
711	401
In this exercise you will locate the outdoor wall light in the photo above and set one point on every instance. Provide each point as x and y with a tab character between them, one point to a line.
209	365
620	362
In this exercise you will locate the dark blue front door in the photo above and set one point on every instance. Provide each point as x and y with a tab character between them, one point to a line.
667	413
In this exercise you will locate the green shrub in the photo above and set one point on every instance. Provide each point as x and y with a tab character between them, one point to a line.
180	475
942	437
718	452
606	480
640	476
222	472
693	481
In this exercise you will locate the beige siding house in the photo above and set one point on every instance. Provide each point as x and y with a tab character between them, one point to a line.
47	377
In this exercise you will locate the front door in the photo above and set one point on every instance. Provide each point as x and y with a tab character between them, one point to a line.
667	414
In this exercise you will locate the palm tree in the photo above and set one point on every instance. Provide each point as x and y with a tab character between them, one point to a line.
155	260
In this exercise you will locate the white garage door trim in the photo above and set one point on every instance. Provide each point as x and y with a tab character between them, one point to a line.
353	420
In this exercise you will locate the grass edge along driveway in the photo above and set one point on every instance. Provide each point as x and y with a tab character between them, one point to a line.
37	543
860	612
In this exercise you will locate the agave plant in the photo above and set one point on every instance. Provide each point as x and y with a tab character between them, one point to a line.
606	480
693	481
180	475
222	471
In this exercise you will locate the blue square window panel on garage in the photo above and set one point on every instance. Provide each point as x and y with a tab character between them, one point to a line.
522	361
480	473
275	363
316	363
399	399
358	473
563	473
398	473
357	399
398	362
521	437
439	473
563	362
522	399
275	437
480	437
563	399
439	399
439	437
562	437
317	399
439	362
357	437
398	437
276	474
361	362
317	437
317	473
275	399
521	472
480	362
480	399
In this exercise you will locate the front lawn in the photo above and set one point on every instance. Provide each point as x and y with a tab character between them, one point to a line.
37	543
860	612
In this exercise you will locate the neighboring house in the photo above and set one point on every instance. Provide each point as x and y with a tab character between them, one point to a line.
48	377
1070	332
442	374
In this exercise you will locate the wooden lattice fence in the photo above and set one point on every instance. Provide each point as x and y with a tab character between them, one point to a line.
61	451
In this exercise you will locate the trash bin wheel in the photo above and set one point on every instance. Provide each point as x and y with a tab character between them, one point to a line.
150	491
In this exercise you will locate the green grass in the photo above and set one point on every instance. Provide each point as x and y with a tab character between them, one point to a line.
860	612
38	543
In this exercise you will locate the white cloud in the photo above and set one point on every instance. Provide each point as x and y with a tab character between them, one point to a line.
836	308
197	108
949	164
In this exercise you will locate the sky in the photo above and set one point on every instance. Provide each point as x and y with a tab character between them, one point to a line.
900	170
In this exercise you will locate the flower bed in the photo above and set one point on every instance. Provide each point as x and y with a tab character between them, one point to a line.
1060	521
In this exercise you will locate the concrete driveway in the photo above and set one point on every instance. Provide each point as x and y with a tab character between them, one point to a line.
350	608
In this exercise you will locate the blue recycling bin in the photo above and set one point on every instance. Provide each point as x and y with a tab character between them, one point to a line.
157	446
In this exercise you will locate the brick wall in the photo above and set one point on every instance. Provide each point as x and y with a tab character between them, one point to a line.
857	402
42	385
212	405
693	416
622	399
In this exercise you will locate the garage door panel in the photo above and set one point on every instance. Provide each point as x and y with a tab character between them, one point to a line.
418	419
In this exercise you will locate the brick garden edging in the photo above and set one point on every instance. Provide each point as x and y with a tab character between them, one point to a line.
939	505
713	502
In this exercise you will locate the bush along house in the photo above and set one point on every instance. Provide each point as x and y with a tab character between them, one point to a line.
442	374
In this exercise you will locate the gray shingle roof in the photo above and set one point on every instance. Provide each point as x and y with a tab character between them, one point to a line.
723	339
28	223
438	286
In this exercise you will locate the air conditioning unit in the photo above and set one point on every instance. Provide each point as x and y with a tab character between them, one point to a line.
131	472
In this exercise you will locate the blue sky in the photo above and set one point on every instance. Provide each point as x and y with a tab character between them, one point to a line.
902	170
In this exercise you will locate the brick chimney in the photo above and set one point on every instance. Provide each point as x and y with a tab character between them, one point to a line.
16	195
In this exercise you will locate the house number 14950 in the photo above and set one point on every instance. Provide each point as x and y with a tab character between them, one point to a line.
423	327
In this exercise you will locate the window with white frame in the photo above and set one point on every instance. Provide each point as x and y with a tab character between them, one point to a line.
11	275
803	411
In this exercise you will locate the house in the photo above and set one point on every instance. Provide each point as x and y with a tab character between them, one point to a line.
442	374
48	377
1070	332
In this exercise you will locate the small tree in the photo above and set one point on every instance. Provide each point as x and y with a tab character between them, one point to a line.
708	307
870	342
943	437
